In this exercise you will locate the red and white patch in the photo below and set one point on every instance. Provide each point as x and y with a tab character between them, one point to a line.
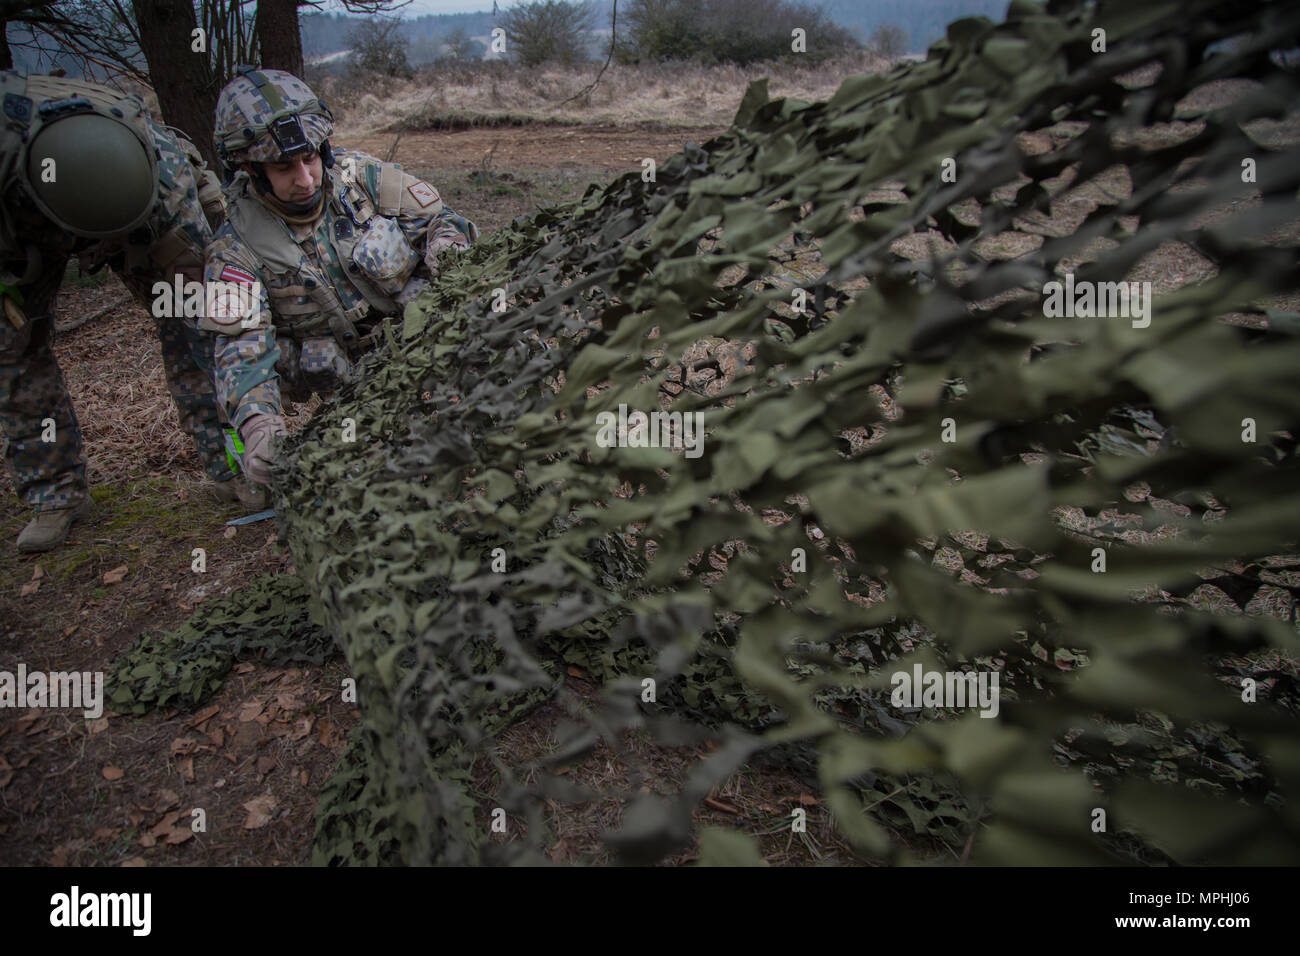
424	194
231	274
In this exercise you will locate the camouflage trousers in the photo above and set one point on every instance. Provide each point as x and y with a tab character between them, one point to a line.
43	448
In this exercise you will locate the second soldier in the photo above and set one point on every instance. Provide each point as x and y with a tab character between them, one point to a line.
322	243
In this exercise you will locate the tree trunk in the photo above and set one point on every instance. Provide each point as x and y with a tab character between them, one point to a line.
279	36
182	79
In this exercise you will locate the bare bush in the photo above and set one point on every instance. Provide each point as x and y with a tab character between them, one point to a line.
547	31
888	41
378	46
726	31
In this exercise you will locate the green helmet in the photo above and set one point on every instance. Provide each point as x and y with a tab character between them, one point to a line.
92	175
269	116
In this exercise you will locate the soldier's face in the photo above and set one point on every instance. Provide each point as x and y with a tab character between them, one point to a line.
297	180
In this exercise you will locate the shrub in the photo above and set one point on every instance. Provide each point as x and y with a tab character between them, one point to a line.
547	31
725	31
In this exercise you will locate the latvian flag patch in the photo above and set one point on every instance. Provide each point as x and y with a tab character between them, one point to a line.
231	274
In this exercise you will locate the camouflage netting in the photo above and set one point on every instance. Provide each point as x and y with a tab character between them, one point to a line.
830	535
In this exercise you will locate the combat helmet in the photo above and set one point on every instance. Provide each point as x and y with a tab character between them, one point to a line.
85	159
270	116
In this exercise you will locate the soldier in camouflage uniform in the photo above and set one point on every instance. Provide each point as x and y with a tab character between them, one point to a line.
321	245
85	171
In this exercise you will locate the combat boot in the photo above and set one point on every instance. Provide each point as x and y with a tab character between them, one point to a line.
250	496
49	529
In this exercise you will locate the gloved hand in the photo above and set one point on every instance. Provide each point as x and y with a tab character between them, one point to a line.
454	232
437	245
257	434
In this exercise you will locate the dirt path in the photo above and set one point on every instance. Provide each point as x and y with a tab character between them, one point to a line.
534	147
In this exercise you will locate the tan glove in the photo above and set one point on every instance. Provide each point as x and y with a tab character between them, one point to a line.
438	244
259	449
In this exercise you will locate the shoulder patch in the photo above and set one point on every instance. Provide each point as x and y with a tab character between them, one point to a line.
423	193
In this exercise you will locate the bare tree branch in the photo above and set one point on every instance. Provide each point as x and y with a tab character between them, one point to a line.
613	37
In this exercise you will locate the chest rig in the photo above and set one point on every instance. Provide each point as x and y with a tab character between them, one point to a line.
302	292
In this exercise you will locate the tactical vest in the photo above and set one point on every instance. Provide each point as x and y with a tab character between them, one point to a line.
302	296
29	102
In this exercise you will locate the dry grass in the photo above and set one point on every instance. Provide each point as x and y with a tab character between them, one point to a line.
113	370
675	94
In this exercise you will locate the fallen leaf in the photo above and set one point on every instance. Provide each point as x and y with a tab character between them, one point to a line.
187	769
302	778
30	588
179	835
560	852
166	800
183	745
67	631
302	727
135	861
106	833
163	826
97	726
575	671
207	713
229	532
216	736
259	811
38	572
116	575
266	764
112	773
245	668
807	799
719	805
147	840
250	710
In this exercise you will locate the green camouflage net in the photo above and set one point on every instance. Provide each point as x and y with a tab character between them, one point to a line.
917	467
